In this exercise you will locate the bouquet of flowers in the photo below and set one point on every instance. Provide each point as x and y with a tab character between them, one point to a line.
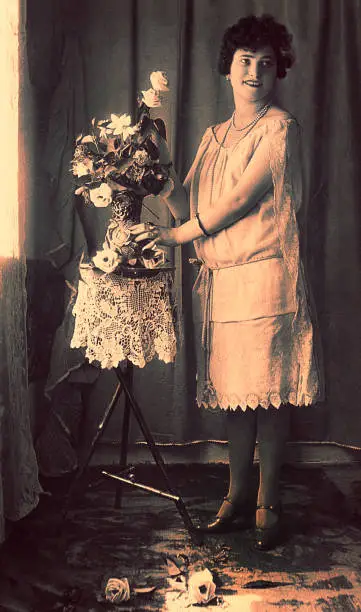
117	165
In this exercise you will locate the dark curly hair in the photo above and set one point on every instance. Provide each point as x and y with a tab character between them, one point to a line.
254	33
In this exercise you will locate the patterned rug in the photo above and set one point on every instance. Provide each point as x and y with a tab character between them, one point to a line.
48	565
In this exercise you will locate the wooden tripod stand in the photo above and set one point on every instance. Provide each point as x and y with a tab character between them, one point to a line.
125	385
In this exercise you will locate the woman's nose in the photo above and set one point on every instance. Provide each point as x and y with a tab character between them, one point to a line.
254	70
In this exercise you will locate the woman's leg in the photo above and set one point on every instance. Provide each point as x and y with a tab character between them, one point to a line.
241	429
273	431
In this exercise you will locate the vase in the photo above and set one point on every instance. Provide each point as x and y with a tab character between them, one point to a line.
121	253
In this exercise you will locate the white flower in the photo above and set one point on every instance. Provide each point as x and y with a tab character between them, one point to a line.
151	98
201	587
159	81
119	123
106	260
117	235
101	196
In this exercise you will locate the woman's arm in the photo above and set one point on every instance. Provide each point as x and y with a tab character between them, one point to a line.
255	181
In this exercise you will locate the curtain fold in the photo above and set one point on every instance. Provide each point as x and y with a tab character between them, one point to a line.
19	487
121	43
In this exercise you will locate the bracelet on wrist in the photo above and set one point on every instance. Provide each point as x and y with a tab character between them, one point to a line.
203	229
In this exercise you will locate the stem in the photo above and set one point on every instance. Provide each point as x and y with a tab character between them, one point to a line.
95	141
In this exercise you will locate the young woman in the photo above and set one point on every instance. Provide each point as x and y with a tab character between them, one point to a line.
256	356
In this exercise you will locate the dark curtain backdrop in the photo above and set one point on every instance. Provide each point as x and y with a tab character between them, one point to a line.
89	58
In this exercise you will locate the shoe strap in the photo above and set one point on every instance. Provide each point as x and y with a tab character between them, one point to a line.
273	508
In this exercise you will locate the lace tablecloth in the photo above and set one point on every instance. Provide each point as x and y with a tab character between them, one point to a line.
119	318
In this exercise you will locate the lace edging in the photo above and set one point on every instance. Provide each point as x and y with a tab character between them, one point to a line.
118	355
253	400
118	319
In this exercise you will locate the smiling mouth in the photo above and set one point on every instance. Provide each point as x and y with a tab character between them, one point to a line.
253	83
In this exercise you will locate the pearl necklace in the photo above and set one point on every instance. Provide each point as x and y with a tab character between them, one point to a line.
250	125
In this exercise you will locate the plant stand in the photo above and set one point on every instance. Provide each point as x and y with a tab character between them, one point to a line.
126	474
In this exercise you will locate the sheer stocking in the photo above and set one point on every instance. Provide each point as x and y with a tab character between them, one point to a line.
241	427
273	430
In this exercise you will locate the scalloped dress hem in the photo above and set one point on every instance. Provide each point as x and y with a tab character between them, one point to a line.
253	401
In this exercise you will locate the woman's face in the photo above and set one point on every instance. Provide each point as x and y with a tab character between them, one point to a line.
253	74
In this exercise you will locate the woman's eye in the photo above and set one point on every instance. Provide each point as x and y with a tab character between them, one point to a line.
244	60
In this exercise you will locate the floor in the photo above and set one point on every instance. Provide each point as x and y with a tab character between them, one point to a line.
52	565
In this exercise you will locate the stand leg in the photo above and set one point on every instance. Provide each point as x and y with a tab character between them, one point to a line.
84	464
156	454
125	436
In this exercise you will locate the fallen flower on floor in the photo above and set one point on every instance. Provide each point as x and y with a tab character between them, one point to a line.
195	586
201	587
117	590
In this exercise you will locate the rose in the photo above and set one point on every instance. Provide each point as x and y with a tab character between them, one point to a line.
117	235
159	81
106	260
151	98
101	196
201	587
117	590
83	167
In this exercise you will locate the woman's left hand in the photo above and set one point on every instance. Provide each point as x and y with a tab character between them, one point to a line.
158	235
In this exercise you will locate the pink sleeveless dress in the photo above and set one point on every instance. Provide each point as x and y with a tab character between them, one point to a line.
255	339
